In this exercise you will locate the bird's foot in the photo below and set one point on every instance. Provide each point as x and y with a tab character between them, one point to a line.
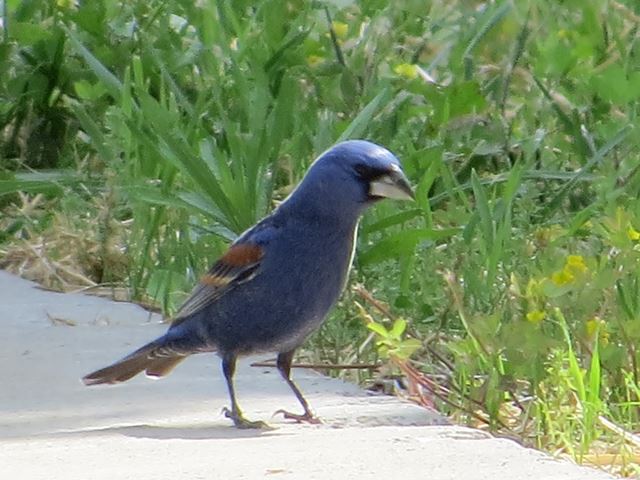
306	417
242	423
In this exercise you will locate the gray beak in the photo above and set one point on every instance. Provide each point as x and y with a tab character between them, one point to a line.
392	185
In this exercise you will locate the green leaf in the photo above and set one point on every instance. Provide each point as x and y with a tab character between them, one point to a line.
391	220
483	209
378	329
398	328
492	18
407	348
403	243
43	181
616	85
29	33
359	125
110	81
597	157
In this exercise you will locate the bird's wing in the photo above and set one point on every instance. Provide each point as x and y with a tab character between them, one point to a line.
239	264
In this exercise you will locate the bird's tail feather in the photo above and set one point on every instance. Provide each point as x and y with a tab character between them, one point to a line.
163	366
154	358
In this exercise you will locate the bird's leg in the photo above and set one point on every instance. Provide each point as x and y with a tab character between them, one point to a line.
284	367
235	414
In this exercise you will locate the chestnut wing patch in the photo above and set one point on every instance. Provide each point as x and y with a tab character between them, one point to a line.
238	265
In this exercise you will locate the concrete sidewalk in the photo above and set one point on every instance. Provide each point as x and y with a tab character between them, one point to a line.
51	426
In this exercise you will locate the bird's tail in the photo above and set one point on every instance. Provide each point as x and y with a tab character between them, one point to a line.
154	358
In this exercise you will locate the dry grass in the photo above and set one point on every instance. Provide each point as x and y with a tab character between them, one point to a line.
63	253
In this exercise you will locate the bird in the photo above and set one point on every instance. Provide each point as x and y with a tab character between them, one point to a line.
279	279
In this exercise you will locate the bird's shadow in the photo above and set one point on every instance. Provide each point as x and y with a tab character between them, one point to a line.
182	432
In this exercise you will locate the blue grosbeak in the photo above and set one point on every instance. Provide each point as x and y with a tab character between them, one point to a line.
279	279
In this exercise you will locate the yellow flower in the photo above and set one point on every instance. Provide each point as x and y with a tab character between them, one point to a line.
597	326
576	263
341	29
632	233
592	327
406	70
535	316
314	60
563	277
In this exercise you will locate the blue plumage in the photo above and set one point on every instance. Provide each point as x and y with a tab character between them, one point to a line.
280	278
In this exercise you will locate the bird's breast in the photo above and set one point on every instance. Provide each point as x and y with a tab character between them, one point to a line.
311	280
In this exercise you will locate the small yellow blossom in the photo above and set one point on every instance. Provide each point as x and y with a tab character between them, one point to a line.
576	263
406	70
563	277
314	60
633	234
597	326
341	29
592	326
535	316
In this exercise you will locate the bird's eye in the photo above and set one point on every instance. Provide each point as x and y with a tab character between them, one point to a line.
362	170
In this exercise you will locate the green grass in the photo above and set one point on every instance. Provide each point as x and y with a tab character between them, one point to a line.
159	131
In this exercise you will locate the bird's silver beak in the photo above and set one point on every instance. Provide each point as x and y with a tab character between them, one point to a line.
392	185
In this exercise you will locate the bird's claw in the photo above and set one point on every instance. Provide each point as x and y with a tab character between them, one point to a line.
242	423
306	417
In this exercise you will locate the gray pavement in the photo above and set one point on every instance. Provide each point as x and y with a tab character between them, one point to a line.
51	426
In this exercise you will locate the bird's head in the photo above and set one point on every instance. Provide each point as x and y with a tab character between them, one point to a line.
350	176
